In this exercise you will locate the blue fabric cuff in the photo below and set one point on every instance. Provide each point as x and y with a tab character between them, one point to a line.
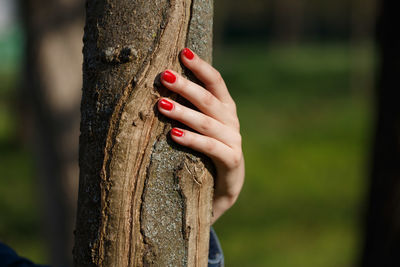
215	254
8	258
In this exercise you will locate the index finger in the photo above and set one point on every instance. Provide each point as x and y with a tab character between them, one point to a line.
207	74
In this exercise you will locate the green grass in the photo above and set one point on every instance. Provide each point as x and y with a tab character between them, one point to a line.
305	122
305	139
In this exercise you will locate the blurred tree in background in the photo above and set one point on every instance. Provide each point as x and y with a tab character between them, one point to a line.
382	233
50	102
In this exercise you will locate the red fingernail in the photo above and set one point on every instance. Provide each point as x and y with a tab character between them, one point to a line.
188	53
176	132
168	76
165	104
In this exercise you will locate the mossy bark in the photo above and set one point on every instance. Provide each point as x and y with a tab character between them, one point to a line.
143	200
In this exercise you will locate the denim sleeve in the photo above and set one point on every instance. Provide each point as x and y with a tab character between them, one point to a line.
8	258
215	255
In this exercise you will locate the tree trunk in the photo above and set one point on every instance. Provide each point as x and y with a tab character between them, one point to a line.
50	112
363	23
382	242
143	201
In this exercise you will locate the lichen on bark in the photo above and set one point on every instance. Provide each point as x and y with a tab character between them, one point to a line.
163	207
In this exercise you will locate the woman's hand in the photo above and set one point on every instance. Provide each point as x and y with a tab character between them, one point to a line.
216	122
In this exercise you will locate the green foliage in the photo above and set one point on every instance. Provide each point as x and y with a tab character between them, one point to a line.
305	125
305	138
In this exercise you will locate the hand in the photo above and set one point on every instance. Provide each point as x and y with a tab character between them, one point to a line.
216	122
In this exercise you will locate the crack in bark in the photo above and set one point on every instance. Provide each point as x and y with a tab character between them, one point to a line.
131	219
113	131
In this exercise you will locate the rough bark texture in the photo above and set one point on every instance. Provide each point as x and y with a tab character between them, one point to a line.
382	242
143	201
50	112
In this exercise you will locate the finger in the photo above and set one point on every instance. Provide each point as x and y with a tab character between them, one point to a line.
199	122
213	148
197	95
211	78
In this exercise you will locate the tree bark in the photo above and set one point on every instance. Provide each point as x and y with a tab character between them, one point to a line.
143	200
382	233
50	100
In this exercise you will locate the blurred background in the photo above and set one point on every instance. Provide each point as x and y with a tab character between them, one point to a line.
303	74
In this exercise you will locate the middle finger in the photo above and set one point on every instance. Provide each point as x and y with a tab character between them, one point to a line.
197	95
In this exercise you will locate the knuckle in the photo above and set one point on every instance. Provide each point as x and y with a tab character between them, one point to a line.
239	140
176	111
230	106
206	125
236	124
233	120
234	140
208	99
189	139
234	194
218	77
236	159
181	85
209	146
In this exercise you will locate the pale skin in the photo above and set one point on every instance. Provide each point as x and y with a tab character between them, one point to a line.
215	122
